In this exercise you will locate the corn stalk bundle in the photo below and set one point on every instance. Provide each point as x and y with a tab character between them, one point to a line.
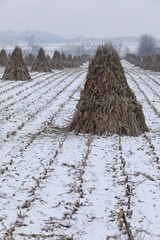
147	62
49	60
41	64
64	60
107	104
156	63
79	60
29	60
70	61
133	59
3	58
57	61
76	61
16	69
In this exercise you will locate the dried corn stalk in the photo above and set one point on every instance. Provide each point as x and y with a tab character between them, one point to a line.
107	104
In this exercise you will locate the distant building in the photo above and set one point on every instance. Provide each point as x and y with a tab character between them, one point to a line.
30	40
35	49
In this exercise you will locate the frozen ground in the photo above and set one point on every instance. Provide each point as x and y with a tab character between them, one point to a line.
56	185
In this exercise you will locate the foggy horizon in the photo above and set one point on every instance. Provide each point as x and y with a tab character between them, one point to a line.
101	19
70	36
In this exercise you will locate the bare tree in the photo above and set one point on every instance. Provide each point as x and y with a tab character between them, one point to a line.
147	45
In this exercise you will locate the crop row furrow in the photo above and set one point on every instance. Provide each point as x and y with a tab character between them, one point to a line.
42	124
21	90
16	84
73	184
27	185
44	171
148	84
26	93
150	75
12	128
141	178
145	95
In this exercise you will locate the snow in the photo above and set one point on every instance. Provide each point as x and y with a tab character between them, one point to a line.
58	185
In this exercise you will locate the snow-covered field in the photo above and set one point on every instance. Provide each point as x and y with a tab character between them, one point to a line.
57	185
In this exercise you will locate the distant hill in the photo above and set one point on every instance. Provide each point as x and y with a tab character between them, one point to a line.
124	39
10	37
13	37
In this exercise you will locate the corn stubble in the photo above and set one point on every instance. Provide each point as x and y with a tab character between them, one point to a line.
107	104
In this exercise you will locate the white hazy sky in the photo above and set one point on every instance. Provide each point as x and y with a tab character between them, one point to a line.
89	18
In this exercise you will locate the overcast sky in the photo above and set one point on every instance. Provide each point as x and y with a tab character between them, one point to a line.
89	18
